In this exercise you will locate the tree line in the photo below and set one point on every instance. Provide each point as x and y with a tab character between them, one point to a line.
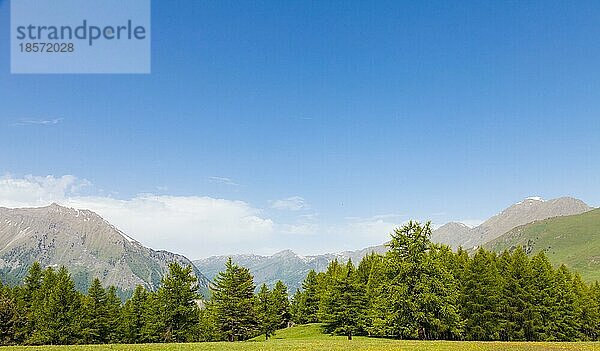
422	290
417	290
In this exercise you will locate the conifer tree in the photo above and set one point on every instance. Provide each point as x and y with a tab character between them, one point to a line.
177	297
113	314
371	275
62	311
266	312
8	315
154	324
232	302
295	308
308	301
132	316
95	326
543	295
39	313
420	295
343	306
564	325
281	305
481	300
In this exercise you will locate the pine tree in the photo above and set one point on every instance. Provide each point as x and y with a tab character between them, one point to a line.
177	298
8	315
95	326
39	310
295	307
517	306
480	299
419	297
266	312
563	322
113	314
132	316
232	302
343	306
154	324
308	304
585	310
543	295
208	327
62	311
30	300
281	304
371	275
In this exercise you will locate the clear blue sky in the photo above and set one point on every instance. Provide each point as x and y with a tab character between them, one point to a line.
432	110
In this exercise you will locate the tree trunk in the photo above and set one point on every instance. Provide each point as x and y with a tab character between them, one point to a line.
231	337
349	335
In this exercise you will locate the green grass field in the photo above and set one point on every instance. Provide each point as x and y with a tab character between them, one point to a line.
309	338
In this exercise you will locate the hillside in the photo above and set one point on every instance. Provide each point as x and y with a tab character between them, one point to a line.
521	213
572	240
82	241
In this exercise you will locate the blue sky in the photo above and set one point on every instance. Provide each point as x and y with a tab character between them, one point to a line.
359	115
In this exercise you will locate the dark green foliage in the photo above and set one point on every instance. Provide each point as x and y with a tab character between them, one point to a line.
422	290
417	290
343	304
59	313
132	316
480	298
281	304
95	323
266	312
306	303
420	295
175	305
8	315
232	303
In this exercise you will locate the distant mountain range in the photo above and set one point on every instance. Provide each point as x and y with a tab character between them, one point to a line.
83	242
292	268
286	266
91	247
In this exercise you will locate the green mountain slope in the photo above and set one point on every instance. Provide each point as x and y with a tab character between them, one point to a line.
572	240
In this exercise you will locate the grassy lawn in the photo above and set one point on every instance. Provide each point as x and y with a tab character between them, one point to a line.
309	338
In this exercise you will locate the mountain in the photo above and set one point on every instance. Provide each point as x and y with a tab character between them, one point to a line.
83	242
523	212
285	265
292	268
572	240
452	234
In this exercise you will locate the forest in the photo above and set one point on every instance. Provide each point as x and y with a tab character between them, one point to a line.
417	290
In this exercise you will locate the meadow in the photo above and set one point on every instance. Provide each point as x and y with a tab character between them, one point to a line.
310	338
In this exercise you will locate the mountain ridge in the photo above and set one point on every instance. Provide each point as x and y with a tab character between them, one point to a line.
85	243
570	240
292	268
520	213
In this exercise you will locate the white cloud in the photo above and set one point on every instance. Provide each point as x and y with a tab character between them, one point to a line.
39	122
223	180
192	225
31	191
201	226
294	203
